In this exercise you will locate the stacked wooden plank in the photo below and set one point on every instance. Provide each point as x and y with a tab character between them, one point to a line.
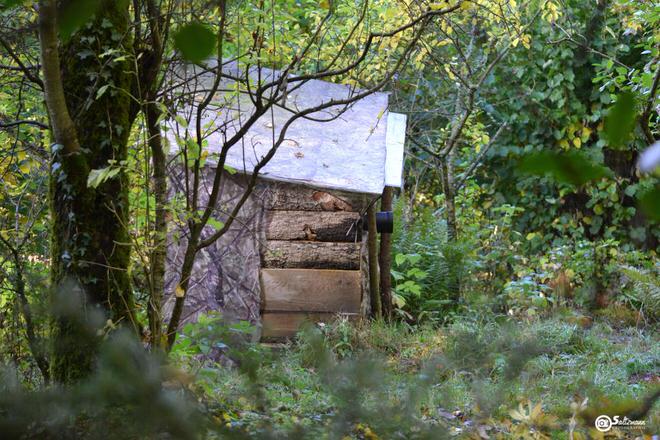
310	260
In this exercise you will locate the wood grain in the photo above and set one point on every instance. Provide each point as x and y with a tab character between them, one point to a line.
313	226
285	196
286	325
311	290
310	255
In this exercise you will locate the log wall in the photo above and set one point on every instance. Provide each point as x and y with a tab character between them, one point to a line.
310	259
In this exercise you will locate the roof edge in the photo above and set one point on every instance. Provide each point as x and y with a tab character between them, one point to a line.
394	141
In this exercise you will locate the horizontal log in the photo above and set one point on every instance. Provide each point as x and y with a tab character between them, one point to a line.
311	290
310	255
286	196
313	226
286	325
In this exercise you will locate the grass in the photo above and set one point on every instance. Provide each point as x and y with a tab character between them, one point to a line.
384	380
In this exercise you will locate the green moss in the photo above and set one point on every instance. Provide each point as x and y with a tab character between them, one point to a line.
90	241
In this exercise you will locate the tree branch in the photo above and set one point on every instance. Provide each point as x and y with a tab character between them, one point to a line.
24	122
64	131
27	70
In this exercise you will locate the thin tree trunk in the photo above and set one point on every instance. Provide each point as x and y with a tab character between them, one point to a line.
385	257
181	290
372	246
159	252
447	169
450	204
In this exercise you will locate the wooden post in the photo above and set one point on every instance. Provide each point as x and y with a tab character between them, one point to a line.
385	257
372	243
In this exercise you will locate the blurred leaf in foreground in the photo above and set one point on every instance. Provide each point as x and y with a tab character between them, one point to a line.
571	167
195	41
620	120
9	3
73	14
649	159
649	202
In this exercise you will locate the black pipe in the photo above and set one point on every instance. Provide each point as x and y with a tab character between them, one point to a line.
384	222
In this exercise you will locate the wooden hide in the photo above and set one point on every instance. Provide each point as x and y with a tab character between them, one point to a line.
311	255
310	290
312	226
311	258
291	197
284	325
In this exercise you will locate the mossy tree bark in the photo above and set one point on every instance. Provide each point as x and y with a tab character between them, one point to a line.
88	105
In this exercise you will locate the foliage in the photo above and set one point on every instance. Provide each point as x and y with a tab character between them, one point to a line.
525	268
384	381
127	386
424	262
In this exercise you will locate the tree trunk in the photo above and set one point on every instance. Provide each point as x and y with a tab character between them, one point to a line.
385	257
34	342
90	244
372	245
159	252
447	169
448	188
181	290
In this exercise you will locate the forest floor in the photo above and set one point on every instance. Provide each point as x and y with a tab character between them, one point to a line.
478	378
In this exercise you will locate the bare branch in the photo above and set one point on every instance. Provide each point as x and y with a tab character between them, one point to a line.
24	122
28	71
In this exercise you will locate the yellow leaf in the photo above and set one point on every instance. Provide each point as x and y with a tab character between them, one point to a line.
577	142
25	167
179	292
526	40
598	209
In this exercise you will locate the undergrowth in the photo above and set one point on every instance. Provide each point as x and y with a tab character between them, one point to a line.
379	380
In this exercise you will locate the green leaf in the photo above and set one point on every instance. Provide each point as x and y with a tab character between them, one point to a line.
9	3
193	152
620	120
215	224
195	41
98	176
181	121
399	259
192	149
101	91
571	167
649	203
74	14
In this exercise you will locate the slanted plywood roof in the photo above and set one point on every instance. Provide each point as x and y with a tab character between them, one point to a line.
347	151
